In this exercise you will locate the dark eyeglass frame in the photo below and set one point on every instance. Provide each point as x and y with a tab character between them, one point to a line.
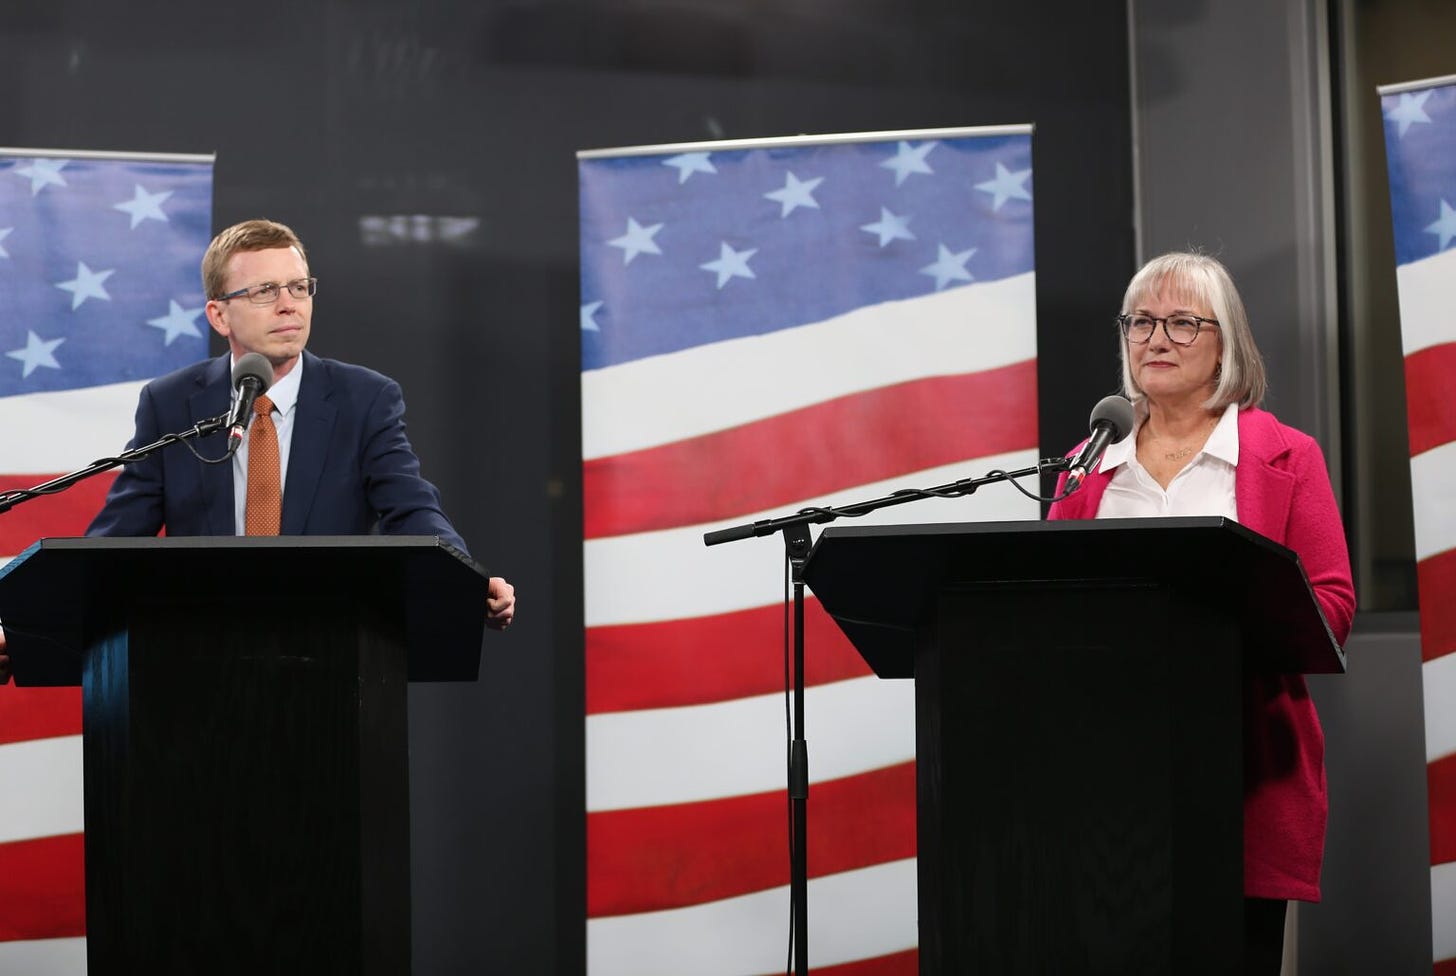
1125	320
308	286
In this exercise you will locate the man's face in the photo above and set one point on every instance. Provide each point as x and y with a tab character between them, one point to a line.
278	330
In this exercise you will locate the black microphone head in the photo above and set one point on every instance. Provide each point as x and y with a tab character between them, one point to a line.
1116	412
256	365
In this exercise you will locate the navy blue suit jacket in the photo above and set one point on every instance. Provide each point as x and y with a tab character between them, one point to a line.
351	470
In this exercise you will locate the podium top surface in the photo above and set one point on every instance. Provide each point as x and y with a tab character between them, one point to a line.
60	590
880	583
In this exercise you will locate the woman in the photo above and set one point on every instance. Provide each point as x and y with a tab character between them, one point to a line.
1202	446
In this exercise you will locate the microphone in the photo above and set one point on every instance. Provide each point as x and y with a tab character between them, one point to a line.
1111	421
252	376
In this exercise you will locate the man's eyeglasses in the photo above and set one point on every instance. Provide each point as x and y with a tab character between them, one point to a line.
1180	329
267	292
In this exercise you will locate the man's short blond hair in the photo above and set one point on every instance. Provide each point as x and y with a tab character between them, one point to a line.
250	235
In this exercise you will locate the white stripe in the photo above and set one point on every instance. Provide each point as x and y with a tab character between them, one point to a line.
1427	290
670	574
658	756
1443	911
63	431
1438	688
1433	499
854	915
685	394
42	792
44	957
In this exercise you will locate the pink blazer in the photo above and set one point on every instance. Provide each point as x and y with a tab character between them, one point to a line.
1283	492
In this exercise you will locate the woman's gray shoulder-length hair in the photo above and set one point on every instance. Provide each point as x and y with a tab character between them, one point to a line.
1203	280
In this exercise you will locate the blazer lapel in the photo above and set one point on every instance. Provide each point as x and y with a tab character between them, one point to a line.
213	397
1263	491
313	423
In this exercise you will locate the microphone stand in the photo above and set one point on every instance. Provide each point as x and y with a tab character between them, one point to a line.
797	544
10	499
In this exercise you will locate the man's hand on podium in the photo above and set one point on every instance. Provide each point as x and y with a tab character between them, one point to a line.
500	602
4	659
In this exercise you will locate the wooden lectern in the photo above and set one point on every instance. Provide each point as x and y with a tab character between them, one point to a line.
1078	690
245	737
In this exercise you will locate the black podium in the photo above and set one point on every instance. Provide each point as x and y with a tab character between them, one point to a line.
245	737
1078	727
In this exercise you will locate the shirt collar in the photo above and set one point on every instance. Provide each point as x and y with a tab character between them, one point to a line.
1223	443
284	393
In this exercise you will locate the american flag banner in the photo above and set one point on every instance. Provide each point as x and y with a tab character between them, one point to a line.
1420	146
100	290
768	326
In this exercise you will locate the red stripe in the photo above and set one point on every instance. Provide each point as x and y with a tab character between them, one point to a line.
851	440
667	857
1430	409
698	660
65	514
38	713
905	963
43	888
1436	583
1444	967
1441	798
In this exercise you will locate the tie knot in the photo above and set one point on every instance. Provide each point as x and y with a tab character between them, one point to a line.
262	406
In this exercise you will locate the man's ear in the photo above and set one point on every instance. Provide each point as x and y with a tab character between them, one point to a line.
217	318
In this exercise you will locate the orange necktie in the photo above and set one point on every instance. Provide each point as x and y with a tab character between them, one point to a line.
264	511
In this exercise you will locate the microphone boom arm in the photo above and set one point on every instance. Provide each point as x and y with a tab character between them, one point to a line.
808	516
9	499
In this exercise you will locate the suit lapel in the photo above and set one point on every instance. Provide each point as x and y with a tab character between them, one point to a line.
213	396
313	423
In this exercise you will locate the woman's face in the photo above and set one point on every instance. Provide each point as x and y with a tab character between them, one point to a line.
1169	373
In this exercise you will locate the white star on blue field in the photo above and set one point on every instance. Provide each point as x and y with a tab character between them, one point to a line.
37	352
909	160
744	241
1408	110
1420	137
92	251
949	266
86	284
178	321
589	316
1445	226
1006	186
42	173
730	264
795	193
689	163
890	228
637	240
144	206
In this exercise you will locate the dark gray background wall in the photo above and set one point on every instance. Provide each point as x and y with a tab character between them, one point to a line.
1376	912
1236	160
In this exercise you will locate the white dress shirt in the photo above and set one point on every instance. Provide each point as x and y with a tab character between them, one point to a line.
284	395
1204	487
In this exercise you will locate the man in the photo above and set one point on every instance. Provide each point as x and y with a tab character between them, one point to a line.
343	463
